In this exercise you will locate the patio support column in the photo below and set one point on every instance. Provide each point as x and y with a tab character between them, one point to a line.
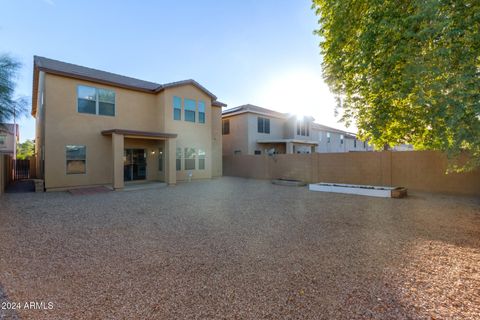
289	147
117	156
170	163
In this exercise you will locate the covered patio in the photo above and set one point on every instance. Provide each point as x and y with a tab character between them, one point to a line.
157	147
289	145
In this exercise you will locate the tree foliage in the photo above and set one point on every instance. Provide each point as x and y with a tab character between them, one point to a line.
407	71
25	150
9	105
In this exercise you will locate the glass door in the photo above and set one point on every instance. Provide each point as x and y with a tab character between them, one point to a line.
134	165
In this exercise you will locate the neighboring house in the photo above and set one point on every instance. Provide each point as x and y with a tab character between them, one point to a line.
403	147
335	140
8	141
250	129
98	128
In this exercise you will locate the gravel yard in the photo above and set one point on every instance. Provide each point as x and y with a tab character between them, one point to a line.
239	249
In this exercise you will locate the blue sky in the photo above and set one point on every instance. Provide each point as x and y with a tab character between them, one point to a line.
259	52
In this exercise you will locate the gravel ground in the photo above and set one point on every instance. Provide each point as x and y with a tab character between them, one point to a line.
234	248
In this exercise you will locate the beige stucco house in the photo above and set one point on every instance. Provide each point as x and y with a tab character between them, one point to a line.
98	128
249	129
9	136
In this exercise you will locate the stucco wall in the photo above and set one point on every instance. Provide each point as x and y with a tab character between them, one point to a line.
416	170
237	139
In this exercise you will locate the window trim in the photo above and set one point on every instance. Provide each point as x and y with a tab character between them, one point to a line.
193	157
202	155
97	101
185	110
201	102
175	108
263	122
66	159
225	123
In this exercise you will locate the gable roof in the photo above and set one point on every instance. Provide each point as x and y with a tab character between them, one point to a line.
254	109
79	72
322	127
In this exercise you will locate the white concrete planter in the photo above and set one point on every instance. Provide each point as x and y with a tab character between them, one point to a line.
364	190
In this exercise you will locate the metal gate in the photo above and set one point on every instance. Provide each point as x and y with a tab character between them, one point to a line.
21	169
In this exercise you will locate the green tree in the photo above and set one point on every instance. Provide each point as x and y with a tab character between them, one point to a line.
9	105
25	150
406	71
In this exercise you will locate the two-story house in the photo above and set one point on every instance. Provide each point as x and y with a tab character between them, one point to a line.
99	128
250	129
9	136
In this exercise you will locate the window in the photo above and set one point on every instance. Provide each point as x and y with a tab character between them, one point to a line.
3	139
177	108
160	159
189	159
201	159
355	143
302	127
190	106
364	145
76	159
328	137
257	152
341	139
201	112
263	125
226	126
179	159
96	101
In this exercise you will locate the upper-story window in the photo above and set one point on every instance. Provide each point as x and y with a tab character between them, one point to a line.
341	139
201	111
263	125
190	106
177	108
3	139
328	137
302	128
226	126
96	101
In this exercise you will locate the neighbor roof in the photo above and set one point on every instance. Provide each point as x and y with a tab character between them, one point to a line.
330	129
254	109
75	71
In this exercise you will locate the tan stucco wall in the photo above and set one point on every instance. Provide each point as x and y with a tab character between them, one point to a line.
217	144
416	170
134	111
237	139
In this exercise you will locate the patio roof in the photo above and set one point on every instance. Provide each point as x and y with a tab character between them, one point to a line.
140	134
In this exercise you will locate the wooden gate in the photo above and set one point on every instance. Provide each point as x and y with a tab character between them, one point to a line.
21	169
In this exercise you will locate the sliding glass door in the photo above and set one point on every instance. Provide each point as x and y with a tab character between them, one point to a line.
135	164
